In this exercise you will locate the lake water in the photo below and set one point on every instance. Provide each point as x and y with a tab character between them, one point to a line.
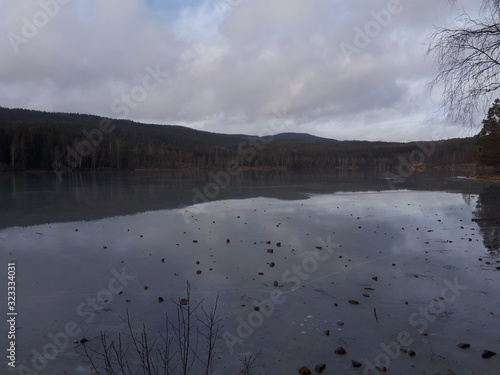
286	254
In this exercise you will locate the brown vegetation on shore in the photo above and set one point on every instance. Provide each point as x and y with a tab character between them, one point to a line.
489	176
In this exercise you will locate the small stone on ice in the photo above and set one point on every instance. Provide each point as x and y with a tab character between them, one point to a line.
340	350
320	367
356	364
488	354
304	370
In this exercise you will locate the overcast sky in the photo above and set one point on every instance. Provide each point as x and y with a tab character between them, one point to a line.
344	69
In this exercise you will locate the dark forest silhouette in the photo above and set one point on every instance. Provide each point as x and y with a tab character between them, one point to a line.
34	140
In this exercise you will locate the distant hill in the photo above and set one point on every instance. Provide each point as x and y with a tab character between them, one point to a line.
180	135
301	137
43	140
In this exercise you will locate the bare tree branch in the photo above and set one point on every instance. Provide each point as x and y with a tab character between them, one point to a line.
467	56
174	351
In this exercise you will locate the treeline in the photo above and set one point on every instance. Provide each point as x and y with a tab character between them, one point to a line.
32	140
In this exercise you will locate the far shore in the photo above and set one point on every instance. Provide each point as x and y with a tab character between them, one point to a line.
489	176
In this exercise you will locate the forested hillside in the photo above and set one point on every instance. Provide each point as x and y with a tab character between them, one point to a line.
31	140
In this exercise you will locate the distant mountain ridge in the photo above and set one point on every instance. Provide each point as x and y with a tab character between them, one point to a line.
303	137
39	140
22	115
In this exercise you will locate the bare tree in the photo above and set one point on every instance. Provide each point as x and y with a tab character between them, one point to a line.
248	363
467	56
173	351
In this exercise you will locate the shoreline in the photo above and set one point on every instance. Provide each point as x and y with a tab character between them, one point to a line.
487	176
418	169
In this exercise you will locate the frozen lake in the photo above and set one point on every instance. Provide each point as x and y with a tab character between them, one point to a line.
288	256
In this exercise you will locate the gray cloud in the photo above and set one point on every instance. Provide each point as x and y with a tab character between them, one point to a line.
232	67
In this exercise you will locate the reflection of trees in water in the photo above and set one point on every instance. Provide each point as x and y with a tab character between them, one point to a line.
487	216
467	197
